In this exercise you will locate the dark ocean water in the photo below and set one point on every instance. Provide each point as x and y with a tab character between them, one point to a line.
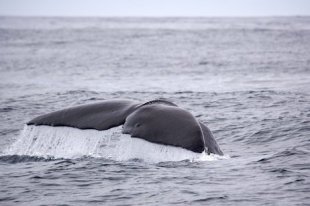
248	79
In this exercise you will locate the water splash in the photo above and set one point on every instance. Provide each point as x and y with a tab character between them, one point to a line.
66	142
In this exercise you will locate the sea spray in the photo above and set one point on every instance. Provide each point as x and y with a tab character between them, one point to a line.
67	142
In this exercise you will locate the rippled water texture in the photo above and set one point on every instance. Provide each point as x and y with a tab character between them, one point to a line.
248	79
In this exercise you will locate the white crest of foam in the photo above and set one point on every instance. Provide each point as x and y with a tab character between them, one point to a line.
67	142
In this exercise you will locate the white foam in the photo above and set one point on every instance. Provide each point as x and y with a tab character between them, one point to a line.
67	142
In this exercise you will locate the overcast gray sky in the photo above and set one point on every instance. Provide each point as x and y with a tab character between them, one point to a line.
154	7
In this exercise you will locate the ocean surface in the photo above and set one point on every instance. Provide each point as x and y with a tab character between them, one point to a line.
248	79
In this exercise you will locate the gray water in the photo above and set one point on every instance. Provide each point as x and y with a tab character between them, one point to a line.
246	78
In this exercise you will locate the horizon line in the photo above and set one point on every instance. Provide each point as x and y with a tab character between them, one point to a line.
150	16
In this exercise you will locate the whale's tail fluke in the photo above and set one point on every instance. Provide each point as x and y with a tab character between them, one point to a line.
158	121
209	140
99	116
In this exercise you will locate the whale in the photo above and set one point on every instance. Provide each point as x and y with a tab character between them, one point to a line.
157	121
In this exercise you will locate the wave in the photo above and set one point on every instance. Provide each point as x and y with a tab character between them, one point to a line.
71	143
12	159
